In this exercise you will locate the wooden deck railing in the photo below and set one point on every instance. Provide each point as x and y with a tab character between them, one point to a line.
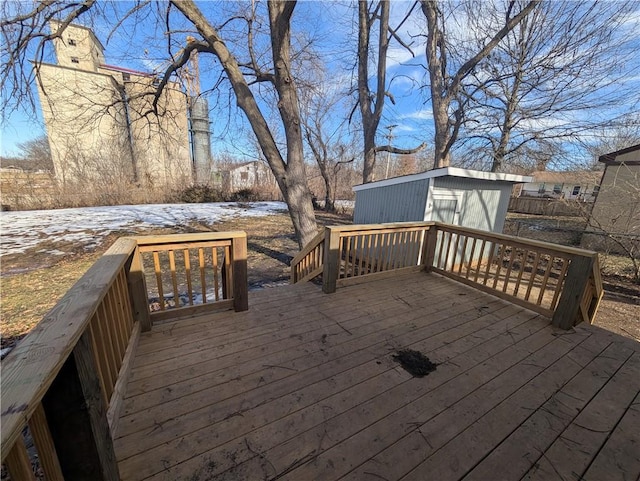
560	282
547	278
191	273
63	384
308	263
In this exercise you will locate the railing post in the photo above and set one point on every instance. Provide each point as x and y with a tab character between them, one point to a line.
77	418
138	291
331	260
239	276
429	247
572	292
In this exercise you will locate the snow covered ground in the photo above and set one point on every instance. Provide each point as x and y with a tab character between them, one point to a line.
88	226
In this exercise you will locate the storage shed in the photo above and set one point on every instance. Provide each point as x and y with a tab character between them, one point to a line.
468	198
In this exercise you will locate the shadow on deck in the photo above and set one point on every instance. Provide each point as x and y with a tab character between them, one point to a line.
304	386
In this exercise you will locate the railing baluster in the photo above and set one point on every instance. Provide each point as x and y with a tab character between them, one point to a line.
187	268
507	276
100	356
228	273
158	271
108	339
44	444
353	243
18	463
543	285
462	253
103	340
501	251
558	289
487	271
523	266
532	277
111	324
480	259
216	279
471	257
203	281
174	278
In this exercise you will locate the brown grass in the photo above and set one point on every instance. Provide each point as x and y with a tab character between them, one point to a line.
33	282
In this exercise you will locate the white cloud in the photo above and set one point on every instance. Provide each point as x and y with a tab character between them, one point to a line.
424	114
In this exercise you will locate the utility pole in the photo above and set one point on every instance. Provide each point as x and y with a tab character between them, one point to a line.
389	138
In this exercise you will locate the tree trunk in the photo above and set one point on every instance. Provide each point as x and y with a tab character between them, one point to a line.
371	111
291	176
368	174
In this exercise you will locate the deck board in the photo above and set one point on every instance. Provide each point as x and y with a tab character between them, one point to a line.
304	386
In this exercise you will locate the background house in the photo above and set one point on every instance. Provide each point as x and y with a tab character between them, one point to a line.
463	197
614	224
254	175
580	185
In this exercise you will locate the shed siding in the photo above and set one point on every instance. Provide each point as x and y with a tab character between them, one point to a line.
485	203
393	203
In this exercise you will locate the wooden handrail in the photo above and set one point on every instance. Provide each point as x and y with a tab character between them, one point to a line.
541	245
66	378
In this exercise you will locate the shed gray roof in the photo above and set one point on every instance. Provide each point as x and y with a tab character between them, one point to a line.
446	172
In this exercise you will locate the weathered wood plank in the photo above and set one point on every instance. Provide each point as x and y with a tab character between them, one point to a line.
619	458
47	455
299	421
525	446
573	451
18	463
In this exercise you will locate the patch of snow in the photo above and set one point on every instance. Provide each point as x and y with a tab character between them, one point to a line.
88	226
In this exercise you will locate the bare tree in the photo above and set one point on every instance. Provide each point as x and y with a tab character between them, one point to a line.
287	161
35	154
371	104
546	79
447	71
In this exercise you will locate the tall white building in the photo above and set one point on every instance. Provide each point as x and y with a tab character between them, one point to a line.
100	121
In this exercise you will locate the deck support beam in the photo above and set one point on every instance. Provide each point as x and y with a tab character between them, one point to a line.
77	417
138	291
331	260
239	279
575	283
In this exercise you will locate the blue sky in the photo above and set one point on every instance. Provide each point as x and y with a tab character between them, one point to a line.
331	24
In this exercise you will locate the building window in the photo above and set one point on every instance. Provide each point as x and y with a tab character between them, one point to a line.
126	77
71	42
156	81
557	189
244	175
541	189
75	60
576	190
596	189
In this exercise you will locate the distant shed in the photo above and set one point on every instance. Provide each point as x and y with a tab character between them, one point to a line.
468	198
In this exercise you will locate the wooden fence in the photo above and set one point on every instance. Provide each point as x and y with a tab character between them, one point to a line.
63	384
560	282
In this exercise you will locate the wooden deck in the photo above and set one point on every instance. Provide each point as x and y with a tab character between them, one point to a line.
303	386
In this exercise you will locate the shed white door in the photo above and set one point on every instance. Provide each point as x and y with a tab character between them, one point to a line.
445	207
